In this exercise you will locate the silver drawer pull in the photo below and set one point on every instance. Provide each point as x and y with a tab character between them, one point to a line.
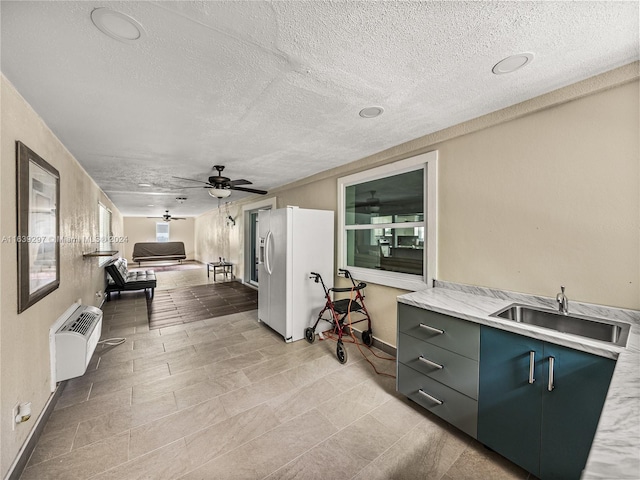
550	385
532	366
433	399
433	329
429	362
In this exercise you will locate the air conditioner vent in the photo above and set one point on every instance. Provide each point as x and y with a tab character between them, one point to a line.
83	323
75	341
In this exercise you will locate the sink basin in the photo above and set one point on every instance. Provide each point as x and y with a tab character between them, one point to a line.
608	331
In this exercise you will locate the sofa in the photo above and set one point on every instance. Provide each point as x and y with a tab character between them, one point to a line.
154	251
120	279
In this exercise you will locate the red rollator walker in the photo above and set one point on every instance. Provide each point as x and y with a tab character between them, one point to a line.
341	311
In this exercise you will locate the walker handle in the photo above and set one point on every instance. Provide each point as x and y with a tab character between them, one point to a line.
344	272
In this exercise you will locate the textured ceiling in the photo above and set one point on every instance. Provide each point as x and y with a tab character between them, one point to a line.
272	90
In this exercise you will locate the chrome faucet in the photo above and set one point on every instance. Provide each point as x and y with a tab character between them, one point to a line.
563	301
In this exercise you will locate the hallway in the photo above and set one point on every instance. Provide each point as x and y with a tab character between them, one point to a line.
226	398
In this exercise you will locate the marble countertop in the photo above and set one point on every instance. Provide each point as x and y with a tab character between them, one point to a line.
616	446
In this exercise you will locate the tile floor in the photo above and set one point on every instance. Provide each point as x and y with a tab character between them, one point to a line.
226	398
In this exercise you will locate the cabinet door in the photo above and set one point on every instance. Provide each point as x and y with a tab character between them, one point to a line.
571	410
509	406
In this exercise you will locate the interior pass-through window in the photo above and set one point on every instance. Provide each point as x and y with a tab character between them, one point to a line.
387	218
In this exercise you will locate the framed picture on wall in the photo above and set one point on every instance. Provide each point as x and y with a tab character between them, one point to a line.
38	199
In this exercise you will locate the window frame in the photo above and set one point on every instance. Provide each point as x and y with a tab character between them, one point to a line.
168	232
427	161
104	238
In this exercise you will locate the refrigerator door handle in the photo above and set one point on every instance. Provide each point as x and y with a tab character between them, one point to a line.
267	259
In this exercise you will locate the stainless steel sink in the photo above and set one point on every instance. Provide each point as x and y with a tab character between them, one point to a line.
608	331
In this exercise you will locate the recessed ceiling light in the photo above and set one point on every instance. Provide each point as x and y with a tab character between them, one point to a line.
371	112
512	63
144	184
117	25
151	205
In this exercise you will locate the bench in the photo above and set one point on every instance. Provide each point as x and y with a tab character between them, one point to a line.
155	251
120	279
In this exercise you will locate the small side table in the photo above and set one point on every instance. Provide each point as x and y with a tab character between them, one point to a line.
225	268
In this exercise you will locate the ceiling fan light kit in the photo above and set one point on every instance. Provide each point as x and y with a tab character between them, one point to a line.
168	217
220	187
219	192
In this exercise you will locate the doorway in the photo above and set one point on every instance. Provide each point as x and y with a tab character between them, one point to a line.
252	238
255	242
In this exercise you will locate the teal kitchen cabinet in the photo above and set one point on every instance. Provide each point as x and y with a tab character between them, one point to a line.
509	407
437	364
539	403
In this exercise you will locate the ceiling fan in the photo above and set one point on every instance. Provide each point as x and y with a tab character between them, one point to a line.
167	218
371	204
220	187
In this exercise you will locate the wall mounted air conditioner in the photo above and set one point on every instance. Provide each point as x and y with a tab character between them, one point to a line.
75	341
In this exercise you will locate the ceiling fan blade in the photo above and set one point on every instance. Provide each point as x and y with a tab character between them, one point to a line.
368	204
242	181
250	190
191	180
220	182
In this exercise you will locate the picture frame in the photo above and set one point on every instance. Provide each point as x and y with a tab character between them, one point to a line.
38	227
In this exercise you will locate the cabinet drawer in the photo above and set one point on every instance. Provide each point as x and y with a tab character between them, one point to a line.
456	408
458	372
444	331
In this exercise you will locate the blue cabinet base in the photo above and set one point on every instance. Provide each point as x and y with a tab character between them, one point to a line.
545	428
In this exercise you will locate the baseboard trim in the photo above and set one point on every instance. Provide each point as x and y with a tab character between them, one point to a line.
250	285
20	463
379	344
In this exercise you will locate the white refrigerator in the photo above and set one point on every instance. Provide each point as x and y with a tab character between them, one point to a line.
293	243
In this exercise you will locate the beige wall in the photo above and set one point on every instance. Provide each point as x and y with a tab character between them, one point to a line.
142	229
541	194
548	199
24	339
216	237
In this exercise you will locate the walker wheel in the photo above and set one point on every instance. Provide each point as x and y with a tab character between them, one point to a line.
367	338
309	334
341	353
